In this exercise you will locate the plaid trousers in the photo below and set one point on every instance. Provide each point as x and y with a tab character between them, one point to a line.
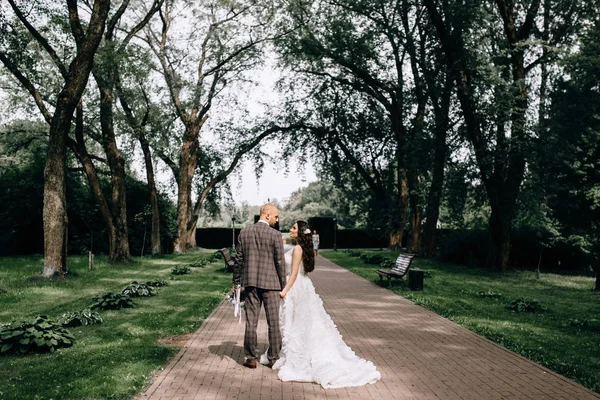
254	299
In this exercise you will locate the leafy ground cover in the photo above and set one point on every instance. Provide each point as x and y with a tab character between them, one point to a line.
114	359
554	320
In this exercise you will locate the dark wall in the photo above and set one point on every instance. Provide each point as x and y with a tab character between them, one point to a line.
216	238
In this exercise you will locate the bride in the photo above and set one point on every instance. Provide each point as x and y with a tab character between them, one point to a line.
313	350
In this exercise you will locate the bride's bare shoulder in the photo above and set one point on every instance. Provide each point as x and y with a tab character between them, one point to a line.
297	250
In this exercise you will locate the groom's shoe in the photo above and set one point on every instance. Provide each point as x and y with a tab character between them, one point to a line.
270	364
249	364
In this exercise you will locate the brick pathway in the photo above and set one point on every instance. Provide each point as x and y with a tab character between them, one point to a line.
420	355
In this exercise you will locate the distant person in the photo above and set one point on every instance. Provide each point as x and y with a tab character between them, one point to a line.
260	270
313	349
316	240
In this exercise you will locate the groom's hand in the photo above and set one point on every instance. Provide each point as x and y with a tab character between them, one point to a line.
282	295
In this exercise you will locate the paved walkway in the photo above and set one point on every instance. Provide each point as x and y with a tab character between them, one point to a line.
420	355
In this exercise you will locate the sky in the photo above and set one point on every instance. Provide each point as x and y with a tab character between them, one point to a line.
273	184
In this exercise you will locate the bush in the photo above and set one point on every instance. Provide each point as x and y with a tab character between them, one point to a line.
79	318
180	270
372	258
112	301
200	263
387	264
135	289
38	335
466	247
157	283
525	305
2	291
584	324
354	253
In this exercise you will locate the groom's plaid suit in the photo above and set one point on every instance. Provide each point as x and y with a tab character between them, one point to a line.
260	269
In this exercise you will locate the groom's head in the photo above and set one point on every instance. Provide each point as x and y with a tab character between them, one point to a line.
269	214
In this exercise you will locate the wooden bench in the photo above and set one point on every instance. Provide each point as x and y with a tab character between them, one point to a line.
398	270
229	262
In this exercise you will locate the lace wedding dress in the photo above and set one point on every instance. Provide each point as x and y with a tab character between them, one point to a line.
313	349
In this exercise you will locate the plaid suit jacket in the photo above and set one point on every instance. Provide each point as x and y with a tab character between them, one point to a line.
259	258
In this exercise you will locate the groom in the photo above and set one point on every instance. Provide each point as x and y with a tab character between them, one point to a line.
261	268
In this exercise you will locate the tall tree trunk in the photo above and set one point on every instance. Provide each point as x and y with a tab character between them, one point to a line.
55	200
55	203
500	237
120	247
155	235
187	166
79	149
413	244
434	197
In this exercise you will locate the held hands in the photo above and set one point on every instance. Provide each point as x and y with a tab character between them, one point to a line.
282	294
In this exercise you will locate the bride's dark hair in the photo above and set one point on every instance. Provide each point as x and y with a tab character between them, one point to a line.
305	241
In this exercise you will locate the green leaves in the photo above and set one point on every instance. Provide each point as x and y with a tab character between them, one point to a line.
523	304
85	317
139	290
112	301
38	335
180	270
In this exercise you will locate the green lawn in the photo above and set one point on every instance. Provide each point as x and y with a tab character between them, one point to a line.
564	338
113	360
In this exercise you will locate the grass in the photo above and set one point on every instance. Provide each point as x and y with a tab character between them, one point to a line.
116	359
564	338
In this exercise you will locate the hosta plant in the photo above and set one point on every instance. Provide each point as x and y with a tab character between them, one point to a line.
135	289
38	335
180	270
523	304
79	318
112	301
157	283
200	263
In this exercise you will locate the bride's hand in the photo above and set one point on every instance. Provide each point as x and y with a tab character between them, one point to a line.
282	294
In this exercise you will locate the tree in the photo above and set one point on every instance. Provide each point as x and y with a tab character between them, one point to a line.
228	37
75	79
497	66
572	156
382	50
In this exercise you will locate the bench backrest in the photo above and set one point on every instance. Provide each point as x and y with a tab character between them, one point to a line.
403	263
226	255
229	261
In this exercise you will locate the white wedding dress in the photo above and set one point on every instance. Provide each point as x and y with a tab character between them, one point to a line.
313	349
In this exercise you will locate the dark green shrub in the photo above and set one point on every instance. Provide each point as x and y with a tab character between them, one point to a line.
2	291
38	335
354	253
387	264
180	270
466	247
372	258
525	305
200	263
157	283
584	324
112	301
135	289
79	318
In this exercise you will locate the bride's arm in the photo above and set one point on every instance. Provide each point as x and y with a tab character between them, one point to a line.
296	258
